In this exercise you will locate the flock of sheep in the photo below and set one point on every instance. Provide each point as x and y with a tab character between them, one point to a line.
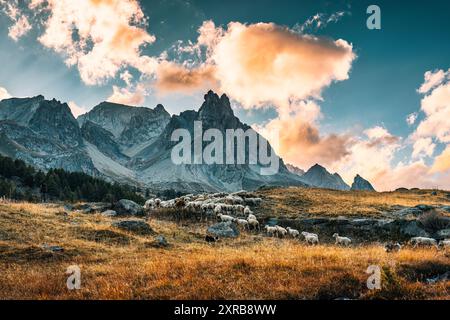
235	208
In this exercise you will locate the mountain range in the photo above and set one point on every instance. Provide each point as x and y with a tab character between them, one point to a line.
132	145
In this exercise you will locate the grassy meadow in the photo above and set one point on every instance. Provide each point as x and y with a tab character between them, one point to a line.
121	265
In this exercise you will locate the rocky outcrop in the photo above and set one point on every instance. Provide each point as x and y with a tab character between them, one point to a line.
128	207
136	226
361	184
223	230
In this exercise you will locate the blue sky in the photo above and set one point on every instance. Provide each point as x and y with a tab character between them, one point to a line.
381	89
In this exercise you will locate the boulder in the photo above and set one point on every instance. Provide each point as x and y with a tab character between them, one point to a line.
224	230
413	229
135	226
443	234
160	242
109	213
128	207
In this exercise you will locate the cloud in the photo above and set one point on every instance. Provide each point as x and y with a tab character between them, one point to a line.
21	25
76	109
442	162
319	21
264	64
128	96
433	79
298	140
100	37
436	107
4	94
174	77
423	147
411	118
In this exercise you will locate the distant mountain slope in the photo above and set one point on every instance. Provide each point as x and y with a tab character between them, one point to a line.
362	184
43	133
132	128
133	145
319	177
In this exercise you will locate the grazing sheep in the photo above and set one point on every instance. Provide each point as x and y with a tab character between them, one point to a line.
210	239
247	210
242	223
393	247
292	232
281	231
270	230
422	241
253	223
342	240
251	216
310	238
444	244
225	218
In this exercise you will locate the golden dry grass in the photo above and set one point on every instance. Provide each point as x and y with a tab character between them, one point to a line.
294	202
122	265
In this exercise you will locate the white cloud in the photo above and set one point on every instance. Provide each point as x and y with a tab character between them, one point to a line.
411	118
21	25
433	79
76	109
128	95
423	147
4	94
109	36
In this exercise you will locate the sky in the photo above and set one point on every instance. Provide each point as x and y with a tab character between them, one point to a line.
308	75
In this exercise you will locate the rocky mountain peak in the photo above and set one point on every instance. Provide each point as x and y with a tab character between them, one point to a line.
319	176
362	184
215	107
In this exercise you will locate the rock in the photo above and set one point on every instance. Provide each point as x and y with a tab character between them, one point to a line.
224	230
413	229
109	213
445	208
160	242
135	226
439	278
361	184
443	234
424	207
128	207
68	208
405	212
52	248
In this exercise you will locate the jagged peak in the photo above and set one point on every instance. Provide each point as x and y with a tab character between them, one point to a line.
215	105
160	109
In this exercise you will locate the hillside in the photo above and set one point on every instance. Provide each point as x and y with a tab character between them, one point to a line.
117	264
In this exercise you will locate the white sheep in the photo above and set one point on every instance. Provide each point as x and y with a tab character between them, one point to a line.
281	231
247	210
242	223
422	241
253	223
270	230
225	218
292	232
345	241
310	238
